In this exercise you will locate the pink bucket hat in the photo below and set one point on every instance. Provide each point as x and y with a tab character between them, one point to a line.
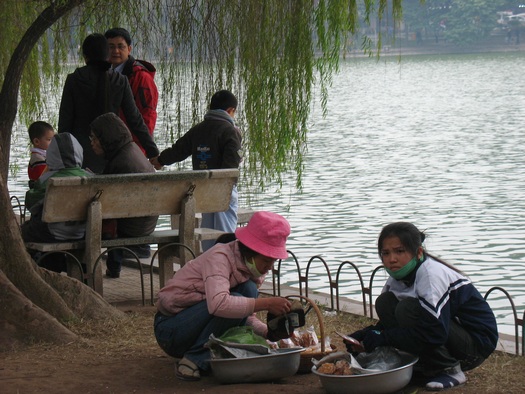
265	233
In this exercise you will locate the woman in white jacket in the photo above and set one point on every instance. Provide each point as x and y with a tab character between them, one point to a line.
219	290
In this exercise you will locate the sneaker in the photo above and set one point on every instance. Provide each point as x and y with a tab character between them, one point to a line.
451	377
112	274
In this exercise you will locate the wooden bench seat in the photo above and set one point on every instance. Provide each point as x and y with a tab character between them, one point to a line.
183	193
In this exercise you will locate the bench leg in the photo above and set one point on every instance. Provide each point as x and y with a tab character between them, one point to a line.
166	257
94	245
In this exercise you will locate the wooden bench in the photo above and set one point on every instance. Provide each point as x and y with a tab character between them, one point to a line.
183	193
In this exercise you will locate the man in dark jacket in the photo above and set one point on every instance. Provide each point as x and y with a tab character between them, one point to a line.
93	90
214	143
140	74
111	139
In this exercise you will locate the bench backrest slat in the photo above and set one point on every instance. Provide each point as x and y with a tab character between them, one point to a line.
136	195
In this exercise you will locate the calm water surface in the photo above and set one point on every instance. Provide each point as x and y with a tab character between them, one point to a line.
438	141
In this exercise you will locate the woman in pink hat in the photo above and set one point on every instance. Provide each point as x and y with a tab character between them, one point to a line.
219	290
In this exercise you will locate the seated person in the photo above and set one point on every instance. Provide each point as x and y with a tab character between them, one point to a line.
430	309
111	139
218	290
40	133
64	158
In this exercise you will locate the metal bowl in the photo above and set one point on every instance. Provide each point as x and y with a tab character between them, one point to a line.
267	367
373	383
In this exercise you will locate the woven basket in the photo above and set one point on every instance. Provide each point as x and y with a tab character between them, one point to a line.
305	365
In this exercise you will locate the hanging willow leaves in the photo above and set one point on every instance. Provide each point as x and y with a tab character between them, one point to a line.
273	54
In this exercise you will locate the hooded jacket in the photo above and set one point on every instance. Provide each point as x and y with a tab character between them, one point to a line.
123	156
64	158
91	91
213	143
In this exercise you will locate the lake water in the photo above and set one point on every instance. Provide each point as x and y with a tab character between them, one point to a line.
435	140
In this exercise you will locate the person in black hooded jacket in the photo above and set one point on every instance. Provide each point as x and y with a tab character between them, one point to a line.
112	140
93	90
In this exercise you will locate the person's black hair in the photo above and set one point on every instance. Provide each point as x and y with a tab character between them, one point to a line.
118	32
223	99
95	49
411	238
246	252
225	238
37	129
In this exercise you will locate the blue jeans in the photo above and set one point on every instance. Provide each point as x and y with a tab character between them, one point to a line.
185	334
225	221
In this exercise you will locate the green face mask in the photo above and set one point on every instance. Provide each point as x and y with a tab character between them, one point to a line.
403	272
253	268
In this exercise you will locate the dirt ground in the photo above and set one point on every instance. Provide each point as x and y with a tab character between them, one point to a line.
123	357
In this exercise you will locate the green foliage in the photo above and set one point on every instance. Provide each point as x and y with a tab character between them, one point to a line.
460	22
272	54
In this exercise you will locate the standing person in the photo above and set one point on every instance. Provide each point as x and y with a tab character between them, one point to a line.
140	74
111	139
429	308
93	90
219	290
214	143
40	134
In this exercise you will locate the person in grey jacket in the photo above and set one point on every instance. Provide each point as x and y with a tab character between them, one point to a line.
63	158
93	90
112	140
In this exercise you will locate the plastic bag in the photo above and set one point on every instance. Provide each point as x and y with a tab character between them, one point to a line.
237	342
383	358
243	334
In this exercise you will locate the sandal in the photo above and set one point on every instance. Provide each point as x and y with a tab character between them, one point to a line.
187	370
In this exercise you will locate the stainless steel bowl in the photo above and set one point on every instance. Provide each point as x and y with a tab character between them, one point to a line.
373	383
267	367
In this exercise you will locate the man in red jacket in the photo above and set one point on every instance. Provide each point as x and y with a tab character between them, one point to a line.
140	74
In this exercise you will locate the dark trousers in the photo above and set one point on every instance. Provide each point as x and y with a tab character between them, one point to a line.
460	347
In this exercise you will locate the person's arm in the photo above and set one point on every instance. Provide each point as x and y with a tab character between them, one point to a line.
146	98
231	155
180	150
275	305
66	113
136	123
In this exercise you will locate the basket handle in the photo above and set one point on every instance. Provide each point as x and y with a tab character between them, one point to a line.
319	316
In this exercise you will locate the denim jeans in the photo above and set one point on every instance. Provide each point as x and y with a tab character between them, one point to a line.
459	348
225	221
185	334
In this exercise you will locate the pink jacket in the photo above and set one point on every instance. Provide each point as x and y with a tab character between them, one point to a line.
210	277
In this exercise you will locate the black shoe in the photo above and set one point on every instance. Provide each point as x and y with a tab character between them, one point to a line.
112	274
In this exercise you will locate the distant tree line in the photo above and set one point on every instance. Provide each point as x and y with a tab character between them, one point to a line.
458	21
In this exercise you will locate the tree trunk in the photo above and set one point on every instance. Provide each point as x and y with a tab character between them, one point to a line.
22	322
33	300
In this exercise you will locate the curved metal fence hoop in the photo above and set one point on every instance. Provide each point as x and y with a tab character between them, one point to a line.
136	258
19	206
361	283
69	254
369	289
517	321
276	273
170	245
332	284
